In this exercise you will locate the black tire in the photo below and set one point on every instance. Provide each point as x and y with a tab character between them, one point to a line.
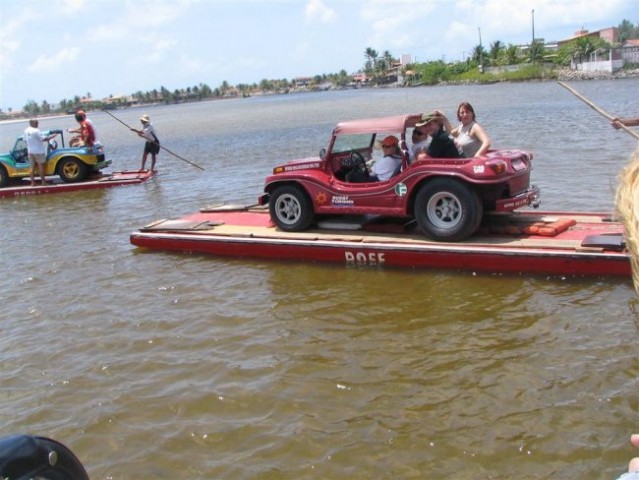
72	170
447	210
291	209
4	177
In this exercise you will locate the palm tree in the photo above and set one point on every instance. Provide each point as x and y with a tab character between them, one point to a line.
584	46
388	58
224	87
381	67
205	90
495	50
511	54
627	30
266	85
478	54
371	59
166	95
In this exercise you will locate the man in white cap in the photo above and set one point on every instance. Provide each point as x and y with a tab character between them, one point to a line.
152	144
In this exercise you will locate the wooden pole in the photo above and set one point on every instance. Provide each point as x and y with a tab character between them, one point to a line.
163	148
597	109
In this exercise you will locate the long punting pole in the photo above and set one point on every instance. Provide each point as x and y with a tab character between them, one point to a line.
162	147
597	109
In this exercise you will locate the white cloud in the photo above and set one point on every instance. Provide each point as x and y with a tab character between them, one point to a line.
190	41
109	33
246	63
153	15
70	7
300	51
11	34
50	63
317	10
155	52
394	29
8	48
191	65
397	25
553	19
138	22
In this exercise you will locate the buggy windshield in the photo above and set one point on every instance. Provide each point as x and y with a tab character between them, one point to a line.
348	143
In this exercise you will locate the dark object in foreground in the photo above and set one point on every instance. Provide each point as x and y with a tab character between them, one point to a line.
27	456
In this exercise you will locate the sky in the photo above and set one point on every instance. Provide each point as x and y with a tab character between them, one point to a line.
58	49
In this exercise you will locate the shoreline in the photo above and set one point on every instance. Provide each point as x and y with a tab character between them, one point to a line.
563	74
566	74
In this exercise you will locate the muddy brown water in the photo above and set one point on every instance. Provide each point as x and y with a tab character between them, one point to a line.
162	365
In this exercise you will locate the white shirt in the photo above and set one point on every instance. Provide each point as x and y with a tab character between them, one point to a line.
468	144
35	141
386	166
423	144
148	132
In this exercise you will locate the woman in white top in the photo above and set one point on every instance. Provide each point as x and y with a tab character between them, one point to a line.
469	135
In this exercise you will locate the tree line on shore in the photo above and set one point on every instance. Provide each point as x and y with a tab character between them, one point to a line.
535	61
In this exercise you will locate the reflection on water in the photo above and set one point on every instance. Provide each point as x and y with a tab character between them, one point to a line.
153	365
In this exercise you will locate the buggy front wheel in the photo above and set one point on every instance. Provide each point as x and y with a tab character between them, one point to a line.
291	208
72	170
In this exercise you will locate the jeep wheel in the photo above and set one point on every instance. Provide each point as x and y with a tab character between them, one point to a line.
291	209
72	170
447	210
4	177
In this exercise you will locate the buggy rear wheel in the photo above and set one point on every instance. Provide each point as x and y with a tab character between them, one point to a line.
448	210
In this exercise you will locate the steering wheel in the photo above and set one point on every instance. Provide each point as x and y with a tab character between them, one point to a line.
358	164
358	170
21	155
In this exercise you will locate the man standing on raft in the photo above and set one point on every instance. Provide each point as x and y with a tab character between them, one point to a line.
152	144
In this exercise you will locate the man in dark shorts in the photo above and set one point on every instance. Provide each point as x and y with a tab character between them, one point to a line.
152	145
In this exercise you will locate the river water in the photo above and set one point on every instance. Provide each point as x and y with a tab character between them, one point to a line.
161	365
